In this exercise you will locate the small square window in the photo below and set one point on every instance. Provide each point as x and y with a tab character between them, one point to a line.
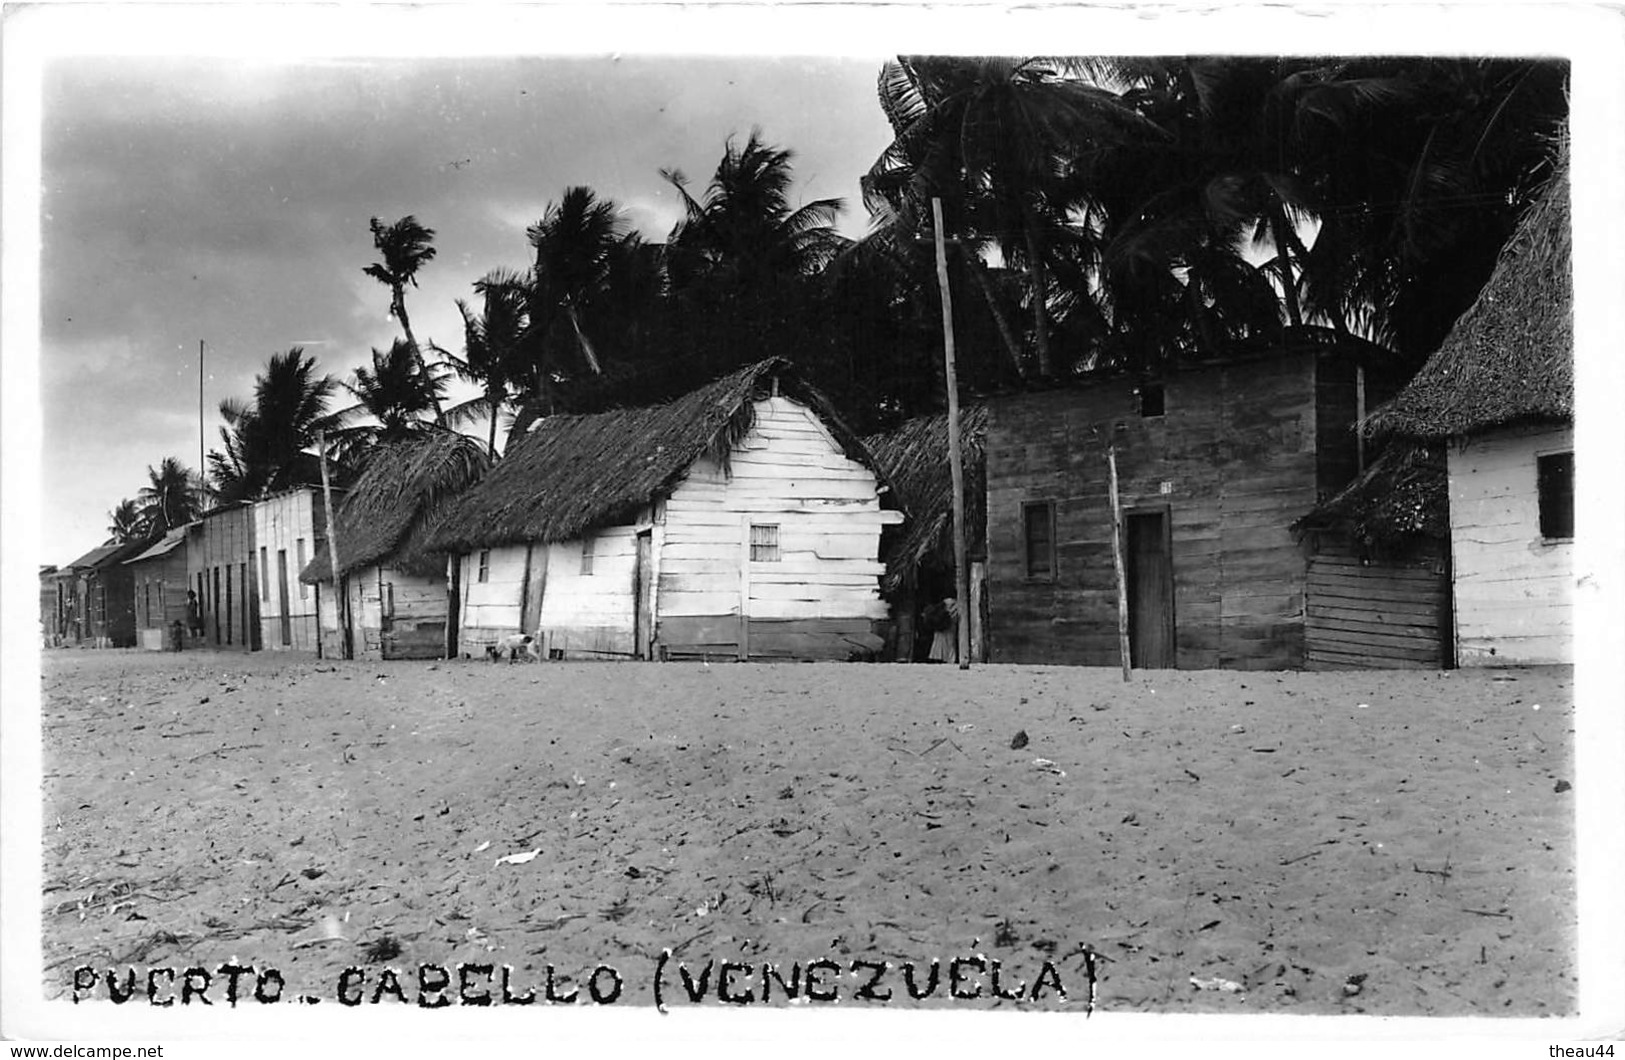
485	566
1151	400
764	543
1038	537
1555	477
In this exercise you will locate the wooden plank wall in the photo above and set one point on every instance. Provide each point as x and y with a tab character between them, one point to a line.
1513	589
417	614
821	596
1233	462
590	615
160	596
1390	614
293	522
224	542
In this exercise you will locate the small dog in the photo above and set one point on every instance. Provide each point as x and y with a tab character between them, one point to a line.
513	646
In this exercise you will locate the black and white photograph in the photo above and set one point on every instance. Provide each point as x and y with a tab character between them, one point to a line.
799	525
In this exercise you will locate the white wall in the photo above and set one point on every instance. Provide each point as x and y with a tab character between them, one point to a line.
285	523
788	471
1513	589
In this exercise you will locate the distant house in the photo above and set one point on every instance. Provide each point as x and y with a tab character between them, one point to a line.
56	600
219	568
399	603
103	590
919	554
1499	395
158	575
288	527
741	520
1215	462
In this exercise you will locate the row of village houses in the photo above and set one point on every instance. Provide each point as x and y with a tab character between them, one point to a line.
1301	505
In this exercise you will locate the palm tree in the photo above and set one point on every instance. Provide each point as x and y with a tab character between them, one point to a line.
395	392
172	496
125	523
573	245
266	441
406	246
492	344
993	138
745	227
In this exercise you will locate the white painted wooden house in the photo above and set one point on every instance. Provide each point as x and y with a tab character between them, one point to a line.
1500	391
742	520
394	601
288	528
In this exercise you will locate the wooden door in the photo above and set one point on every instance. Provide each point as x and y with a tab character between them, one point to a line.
1150	591
285	619
643	621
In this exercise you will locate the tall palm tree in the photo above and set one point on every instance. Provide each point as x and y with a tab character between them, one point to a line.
406	246
493	341
172	496
266	441
993	138
125	523
573	244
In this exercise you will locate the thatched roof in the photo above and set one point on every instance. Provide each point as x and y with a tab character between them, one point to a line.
915	460
1510	357
572	474
390	509
1401	496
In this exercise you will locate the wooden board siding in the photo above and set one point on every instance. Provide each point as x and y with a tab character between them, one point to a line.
293	523
414	609
1390	614
220	559
1233	461
819	598
1513	588
160	597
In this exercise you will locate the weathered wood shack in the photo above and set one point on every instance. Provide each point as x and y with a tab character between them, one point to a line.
742	520
1499	395
399	602
919	554
56	600
104	596
1215	462
1378	591
220	569
289	527
159	576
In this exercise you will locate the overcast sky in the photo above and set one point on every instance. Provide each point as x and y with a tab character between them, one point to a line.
227	200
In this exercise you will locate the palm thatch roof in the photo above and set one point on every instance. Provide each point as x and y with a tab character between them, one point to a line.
914	458
1401	497
1510	358
392	507
574	473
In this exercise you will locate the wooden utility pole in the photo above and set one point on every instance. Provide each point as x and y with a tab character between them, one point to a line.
956	468
200	477
341	599
1117	557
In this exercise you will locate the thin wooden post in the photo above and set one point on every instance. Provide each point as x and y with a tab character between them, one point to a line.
1117	558
955	467
342	608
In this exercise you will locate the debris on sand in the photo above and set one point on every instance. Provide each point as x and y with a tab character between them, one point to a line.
517	859
1216	983
1019	740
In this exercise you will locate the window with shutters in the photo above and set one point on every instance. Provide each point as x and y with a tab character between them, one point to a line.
299	558
764	542
589	545
485	566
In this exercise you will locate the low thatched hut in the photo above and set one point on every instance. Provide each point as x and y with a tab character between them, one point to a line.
919	555
1500	393
394	586
741	520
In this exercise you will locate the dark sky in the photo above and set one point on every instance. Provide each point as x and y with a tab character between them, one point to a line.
227	200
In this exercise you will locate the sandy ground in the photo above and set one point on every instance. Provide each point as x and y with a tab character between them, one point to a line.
1399	844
